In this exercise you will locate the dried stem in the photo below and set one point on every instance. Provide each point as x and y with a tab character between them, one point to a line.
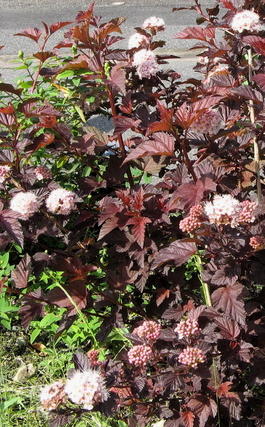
255	142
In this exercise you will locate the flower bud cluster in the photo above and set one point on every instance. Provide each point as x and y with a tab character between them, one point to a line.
247	213
187	329
257	243
246	20
42	172
4	171
193	221
148	331
140	355
209	122
86	388
191	356
52	396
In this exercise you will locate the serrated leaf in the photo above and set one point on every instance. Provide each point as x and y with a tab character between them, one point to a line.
58	25
123	123
258	43
229	328
118	79
198	33
248	93
9	223
21	273
187	417
161	144
32	33
138	229
178	252
258	78
228	300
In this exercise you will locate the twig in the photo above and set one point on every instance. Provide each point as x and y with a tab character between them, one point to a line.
255	141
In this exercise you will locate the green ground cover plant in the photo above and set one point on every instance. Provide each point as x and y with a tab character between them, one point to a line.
131	261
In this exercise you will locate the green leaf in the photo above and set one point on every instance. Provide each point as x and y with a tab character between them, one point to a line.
80	113
48	320
4	260
11	402
34	334
65	74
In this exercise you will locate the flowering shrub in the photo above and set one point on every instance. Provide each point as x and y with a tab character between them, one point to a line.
163	219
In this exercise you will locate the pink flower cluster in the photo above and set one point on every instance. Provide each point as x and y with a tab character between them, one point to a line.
191	356
42	172
137	40
257	243
225	209
209	122
154	23
187	328
93	358
61	201
25	203
86	388
140	355
193	221
246	20
4	171
148	331
145	62
52	396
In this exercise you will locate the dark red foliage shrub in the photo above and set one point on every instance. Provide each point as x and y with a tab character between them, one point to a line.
200	142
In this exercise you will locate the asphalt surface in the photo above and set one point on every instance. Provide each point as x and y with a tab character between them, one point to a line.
17	15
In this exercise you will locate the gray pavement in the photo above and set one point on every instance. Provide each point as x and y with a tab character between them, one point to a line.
17	15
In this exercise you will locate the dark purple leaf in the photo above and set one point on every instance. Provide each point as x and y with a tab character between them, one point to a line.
32	33
9	223
161	144
21	273
177	252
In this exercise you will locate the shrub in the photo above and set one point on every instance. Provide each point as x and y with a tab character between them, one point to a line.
175	193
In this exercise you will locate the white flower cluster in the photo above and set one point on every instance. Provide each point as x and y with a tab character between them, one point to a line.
25	203
83	388
154	23
246	20
86	388
61	201
225	209
52	396
145	62
137	40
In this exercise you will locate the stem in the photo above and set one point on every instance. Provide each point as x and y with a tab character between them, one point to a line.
255	142
208	302
183	147
120	139
79	312
204	286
